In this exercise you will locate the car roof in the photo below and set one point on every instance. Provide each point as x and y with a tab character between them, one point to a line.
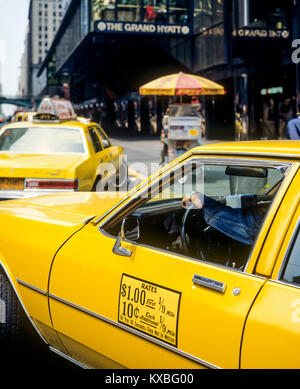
66	124
287	149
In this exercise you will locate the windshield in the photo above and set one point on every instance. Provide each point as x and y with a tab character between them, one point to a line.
185	110
42	140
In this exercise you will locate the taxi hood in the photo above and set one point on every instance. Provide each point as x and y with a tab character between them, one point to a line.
38	165
82	204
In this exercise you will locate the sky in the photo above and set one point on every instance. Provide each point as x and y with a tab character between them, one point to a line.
13	22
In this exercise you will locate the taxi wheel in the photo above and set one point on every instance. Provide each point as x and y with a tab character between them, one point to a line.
10	311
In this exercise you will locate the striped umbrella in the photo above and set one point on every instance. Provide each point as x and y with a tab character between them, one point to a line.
180	84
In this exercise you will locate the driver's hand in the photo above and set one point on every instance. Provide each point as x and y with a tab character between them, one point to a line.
194	199
185	200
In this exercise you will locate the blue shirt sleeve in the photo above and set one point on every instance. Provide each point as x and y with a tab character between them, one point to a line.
232	222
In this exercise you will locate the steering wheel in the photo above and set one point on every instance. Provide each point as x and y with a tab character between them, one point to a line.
185	241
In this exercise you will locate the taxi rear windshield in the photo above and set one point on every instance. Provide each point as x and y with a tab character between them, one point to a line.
42	140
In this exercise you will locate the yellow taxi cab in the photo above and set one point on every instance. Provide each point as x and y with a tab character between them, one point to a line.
197	267
18	117
55	152
28	116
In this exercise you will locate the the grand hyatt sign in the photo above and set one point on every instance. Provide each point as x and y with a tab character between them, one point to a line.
141	28
262	33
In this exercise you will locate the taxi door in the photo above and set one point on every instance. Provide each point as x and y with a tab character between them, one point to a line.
272	331
111	153
152	309
98	156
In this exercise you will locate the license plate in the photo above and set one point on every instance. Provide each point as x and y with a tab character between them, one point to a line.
11	183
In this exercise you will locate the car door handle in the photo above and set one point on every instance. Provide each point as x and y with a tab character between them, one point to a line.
209	283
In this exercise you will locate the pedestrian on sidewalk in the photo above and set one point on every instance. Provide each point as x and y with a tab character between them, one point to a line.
164	136
293	129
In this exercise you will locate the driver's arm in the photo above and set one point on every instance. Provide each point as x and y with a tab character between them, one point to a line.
232	222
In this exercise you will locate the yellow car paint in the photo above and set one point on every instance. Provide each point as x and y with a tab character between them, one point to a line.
57	243
85	168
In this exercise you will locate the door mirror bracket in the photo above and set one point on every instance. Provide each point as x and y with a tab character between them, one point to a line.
130	230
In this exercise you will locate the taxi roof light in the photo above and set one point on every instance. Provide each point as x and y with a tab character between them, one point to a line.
55	109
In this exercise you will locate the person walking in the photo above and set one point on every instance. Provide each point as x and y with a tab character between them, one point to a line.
293	129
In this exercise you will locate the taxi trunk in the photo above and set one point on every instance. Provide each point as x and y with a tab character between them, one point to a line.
24	172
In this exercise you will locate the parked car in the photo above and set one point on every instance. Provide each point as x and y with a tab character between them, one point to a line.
54	152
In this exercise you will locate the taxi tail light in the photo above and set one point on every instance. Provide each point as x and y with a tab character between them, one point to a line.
51	184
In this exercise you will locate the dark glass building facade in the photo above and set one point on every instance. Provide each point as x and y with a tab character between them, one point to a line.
108	48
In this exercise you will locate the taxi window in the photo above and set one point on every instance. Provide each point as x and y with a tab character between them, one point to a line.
95	140
104	139
291	271
222	230
42	140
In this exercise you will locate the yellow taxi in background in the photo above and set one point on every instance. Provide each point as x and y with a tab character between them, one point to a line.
55	152
152	281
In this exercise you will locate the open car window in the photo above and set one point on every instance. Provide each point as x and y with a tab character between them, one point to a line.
235	199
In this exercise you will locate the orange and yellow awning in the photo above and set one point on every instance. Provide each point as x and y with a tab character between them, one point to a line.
181	84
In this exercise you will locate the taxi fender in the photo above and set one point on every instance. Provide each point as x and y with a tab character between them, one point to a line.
5	269
106	170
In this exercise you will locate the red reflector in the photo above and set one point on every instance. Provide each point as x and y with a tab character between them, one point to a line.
51	184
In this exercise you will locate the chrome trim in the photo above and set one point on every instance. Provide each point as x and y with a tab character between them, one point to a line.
209	283
251	154
285	283
23	283
21	303
70	359
135	332
135	190
288	249
88	219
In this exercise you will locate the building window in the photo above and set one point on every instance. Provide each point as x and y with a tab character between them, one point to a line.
179	11
207	13
262	14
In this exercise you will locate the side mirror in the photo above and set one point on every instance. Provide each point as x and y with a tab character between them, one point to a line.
130	230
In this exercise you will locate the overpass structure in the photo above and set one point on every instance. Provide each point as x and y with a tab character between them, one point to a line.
26	102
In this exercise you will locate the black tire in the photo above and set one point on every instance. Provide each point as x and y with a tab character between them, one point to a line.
10	312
